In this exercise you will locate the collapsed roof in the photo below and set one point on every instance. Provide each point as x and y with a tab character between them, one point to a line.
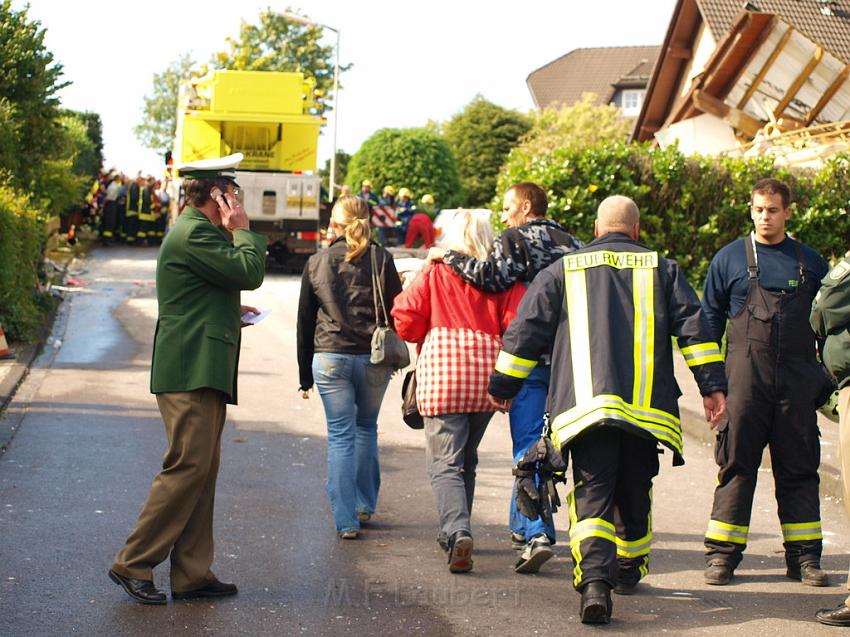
777	85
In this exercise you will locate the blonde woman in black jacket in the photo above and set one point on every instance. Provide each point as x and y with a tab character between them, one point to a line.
336	318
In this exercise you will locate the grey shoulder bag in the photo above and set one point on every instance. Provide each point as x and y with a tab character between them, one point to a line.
387	347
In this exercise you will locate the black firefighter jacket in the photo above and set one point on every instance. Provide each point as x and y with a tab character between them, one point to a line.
608	313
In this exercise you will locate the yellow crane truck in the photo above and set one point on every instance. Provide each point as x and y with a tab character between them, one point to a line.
274	120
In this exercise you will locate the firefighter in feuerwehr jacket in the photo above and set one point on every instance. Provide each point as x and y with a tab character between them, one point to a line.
608	313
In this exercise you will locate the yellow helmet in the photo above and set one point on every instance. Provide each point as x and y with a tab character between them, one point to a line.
428	199
389	191
405	192
365	183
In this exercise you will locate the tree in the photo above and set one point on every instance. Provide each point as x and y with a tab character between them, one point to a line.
29	107
87	146
582	124
481	136
157	128
342	159
416	158
278	44
274	44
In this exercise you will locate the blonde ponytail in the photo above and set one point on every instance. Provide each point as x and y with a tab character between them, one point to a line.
350	215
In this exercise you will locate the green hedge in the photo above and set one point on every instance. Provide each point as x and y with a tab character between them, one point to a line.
414	158
21	234
690	206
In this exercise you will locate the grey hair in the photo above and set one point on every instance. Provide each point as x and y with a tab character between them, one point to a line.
469	231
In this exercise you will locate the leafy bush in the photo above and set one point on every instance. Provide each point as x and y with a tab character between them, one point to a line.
481	136
415	158
690	206
582	124
21	232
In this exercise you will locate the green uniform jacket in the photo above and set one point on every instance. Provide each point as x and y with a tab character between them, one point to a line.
199	274
831	319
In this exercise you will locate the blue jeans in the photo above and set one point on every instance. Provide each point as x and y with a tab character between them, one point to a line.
526	418
352	390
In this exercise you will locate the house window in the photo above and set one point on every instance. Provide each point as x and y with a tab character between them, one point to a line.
632	101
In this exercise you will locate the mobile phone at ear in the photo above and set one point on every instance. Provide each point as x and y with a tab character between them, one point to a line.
216	194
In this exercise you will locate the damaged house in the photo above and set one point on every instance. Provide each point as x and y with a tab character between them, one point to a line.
767	77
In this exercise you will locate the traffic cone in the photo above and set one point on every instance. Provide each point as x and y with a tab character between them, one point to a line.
5	353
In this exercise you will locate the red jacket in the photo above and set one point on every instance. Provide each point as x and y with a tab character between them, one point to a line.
457	329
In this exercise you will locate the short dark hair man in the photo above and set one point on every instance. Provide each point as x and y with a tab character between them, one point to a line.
764	284
529	245
193	373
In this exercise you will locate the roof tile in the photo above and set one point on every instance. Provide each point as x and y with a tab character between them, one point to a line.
593	70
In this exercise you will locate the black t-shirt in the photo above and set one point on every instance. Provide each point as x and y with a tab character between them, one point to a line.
727	284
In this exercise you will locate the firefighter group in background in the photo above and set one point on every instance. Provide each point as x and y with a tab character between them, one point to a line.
396	219
131	210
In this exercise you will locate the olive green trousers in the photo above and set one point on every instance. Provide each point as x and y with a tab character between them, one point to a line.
177	518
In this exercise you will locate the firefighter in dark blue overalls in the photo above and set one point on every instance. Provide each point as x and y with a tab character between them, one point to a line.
765	284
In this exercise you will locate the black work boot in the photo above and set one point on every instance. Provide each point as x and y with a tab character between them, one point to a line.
809	573
718	572
596	605
627	581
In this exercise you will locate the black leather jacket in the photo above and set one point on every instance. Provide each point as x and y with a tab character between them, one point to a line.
336	310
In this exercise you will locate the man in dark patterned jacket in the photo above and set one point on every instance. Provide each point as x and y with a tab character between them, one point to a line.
528	246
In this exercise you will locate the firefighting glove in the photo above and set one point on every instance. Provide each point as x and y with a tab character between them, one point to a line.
551	469
527	498
541	465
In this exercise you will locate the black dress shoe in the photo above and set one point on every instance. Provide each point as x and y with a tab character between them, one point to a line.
834	616
213	589
596	603
141	590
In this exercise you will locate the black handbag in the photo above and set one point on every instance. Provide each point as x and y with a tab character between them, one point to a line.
388	349
409	410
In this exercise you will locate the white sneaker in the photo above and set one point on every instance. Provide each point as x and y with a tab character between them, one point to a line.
534	555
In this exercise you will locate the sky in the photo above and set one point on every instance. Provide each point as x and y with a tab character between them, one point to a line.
412	61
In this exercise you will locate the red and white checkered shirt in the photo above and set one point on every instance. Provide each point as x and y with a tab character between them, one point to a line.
452	371
458	329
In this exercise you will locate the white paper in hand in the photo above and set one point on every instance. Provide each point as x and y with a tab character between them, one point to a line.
249	318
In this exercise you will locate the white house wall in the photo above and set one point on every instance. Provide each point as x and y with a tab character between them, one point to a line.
702	51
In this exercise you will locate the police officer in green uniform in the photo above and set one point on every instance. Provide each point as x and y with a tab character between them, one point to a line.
831	320
200	273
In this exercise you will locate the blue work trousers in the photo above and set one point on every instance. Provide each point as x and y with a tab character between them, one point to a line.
526	418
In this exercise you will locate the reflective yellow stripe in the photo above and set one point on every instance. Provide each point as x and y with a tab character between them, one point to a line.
641	546
619	260
634	548
702	354
576	290
515	366
725	532
797	531
665	427
575	549
592	527
644	336
644	568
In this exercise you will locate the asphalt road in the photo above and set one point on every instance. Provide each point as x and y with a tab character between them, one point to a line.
89	440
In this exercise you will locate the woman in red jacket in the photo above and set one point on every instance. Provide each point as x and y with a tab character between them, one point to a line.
457	329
